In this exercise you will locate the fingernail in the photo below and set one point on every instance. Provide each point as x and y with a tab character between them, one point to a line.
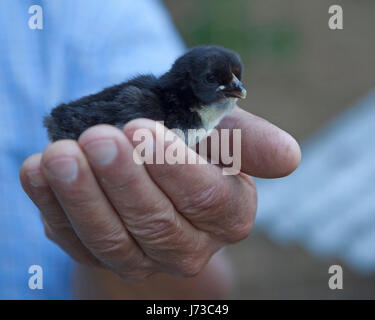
63	169
101	152
36	179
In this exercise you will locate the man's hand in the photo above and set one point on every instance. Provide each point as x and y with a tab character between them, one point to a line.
104	209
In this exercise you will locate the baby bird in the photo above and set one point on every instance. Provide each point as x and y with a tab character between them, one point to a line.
201	87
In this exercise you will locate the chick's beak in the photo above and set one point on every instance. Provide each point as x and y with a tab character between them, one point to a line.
234	89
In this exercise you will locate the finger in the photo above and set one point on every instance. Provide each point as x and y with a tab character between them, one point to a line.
266	150
92	216
56	224
220	204
147	213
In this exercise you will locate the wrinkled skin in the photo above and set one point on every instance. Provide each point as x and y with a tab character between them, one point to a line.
139	220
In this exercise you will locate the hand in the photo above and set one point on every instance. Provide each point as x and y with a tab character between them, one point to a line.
136	220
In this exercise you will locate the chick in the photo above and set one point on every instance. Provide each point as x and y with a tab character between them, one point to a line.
201	87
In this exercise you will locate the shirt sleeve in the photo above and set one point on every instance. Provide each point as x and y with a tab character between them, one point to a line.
83	47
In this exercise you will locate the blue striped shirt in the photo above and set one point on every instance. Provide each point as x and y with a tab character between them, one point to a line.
84	46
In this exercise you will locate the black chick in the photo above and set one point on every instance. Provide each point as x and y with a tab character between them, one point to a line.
202	86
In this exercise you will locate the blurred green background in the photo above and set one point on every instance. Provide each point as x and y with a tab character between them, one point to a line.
228	23
299	75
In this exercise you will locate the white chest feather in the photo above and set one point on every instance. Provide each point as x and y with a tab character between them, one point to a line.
211	115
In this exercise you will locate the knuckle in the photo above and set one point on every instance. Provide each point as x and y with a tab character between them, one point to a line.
239	230
136	269
212	197
239	224
190	269
158	228
191	265
109	243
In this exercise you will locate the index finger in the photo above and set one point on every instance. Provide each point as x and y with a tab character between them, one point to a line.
266	150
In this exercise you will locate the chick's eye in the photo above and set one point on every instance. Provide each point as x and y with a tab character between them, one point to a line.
210	78
238	75
237	72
